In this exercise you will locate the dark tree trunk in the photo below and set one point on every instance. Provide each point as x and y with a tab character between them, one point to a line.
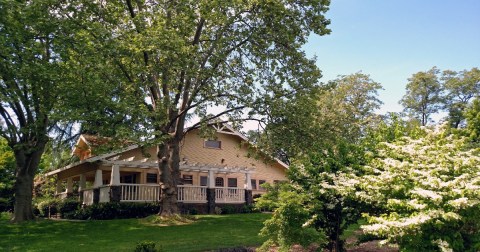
27	162
169	155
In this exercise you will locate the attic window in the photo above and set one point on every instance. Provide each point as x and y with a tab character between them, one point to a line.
214	144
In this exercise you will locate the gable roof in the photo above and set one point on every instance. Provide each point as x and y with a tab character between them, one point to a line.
91	141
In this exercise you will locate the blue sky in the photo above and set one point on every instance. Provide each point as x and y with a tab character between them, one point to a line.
391	40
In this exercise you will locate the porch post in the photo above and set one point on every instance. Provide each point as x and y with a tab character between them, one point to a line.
69	190
98	178
96	186
248	189
211	192
58	188
115	175
83	183
115	187
81	186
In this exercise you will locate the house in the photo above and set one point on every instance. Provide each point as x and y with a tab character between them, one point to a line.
222	167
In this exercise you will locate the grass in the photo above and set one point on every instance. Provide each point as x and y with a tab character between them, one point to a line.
209	232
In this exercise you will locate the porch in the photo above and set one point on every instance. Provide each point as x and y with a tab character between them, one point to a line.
152	193
133	181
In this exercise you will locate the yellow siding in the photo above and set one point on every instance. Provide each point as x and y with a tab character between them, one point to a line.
230	154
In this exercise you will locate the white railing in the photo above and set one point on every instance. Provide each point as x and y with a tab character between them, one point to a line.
104	194
140	193
229	195
88	196
187	193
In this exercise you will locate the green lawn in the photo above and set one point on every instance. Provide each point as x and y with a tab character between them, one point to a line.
208	233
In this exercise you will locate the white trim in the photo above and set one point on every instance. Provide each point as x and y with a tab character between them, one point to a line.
92	159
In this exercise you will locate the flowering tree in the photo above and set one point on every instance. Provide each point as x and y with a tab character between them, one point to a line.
429	191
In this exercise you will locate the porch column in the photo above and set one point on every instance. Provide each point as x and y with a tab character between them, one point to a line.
248	181
82	185
211	192
98	178
248	189
115	188
96	186
69	190
115	175
58	188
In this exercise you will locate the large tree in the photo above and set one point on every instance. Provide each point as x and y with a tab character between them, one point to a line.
322	133
183	57
424	95
28	82
319	118
461	88
39	88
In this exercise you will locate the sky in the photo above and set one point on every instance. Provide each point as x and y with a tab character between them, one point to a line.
392	39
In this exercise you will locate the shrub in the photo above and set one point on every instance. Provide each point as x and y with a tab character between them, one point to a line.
113	210
291	224
228	210
48	206
218	210
145	246
67	206
6	204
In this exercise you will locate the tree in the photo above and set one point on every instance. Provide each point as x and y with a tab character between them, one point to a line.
7	176
424	95
39	88
472	114
323	133
461	87
428	189
183	57
318	119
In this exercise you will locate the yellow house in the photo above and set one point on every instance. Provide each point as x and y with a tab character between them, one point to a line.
222	166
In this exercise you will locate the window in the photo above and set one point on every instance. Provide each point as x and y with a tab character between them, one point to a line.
151	178
188	179
260	182
214	144
232	182
203	180
254	184
219	182
129	179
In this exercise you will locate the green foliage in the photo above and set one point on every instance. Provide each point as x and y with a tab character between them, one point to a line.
47	206
424	95
146	246
472	114
291	222
461	87
112	210
67	207
228	209
7	176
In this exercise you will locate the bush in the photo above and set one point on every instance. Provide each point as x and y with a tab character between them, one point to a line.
228	210
249	209
67	206
114	210
48	207
6	204
145	246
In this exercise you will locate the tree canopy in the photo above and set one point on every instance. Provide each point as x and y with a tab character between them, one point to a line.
424	95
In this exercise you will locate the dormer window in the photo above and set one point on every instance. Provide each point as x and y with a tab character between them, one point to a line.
213	144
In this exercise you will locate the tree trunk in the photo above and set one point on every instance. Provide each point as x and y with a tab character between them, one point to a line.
169	156
27	164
